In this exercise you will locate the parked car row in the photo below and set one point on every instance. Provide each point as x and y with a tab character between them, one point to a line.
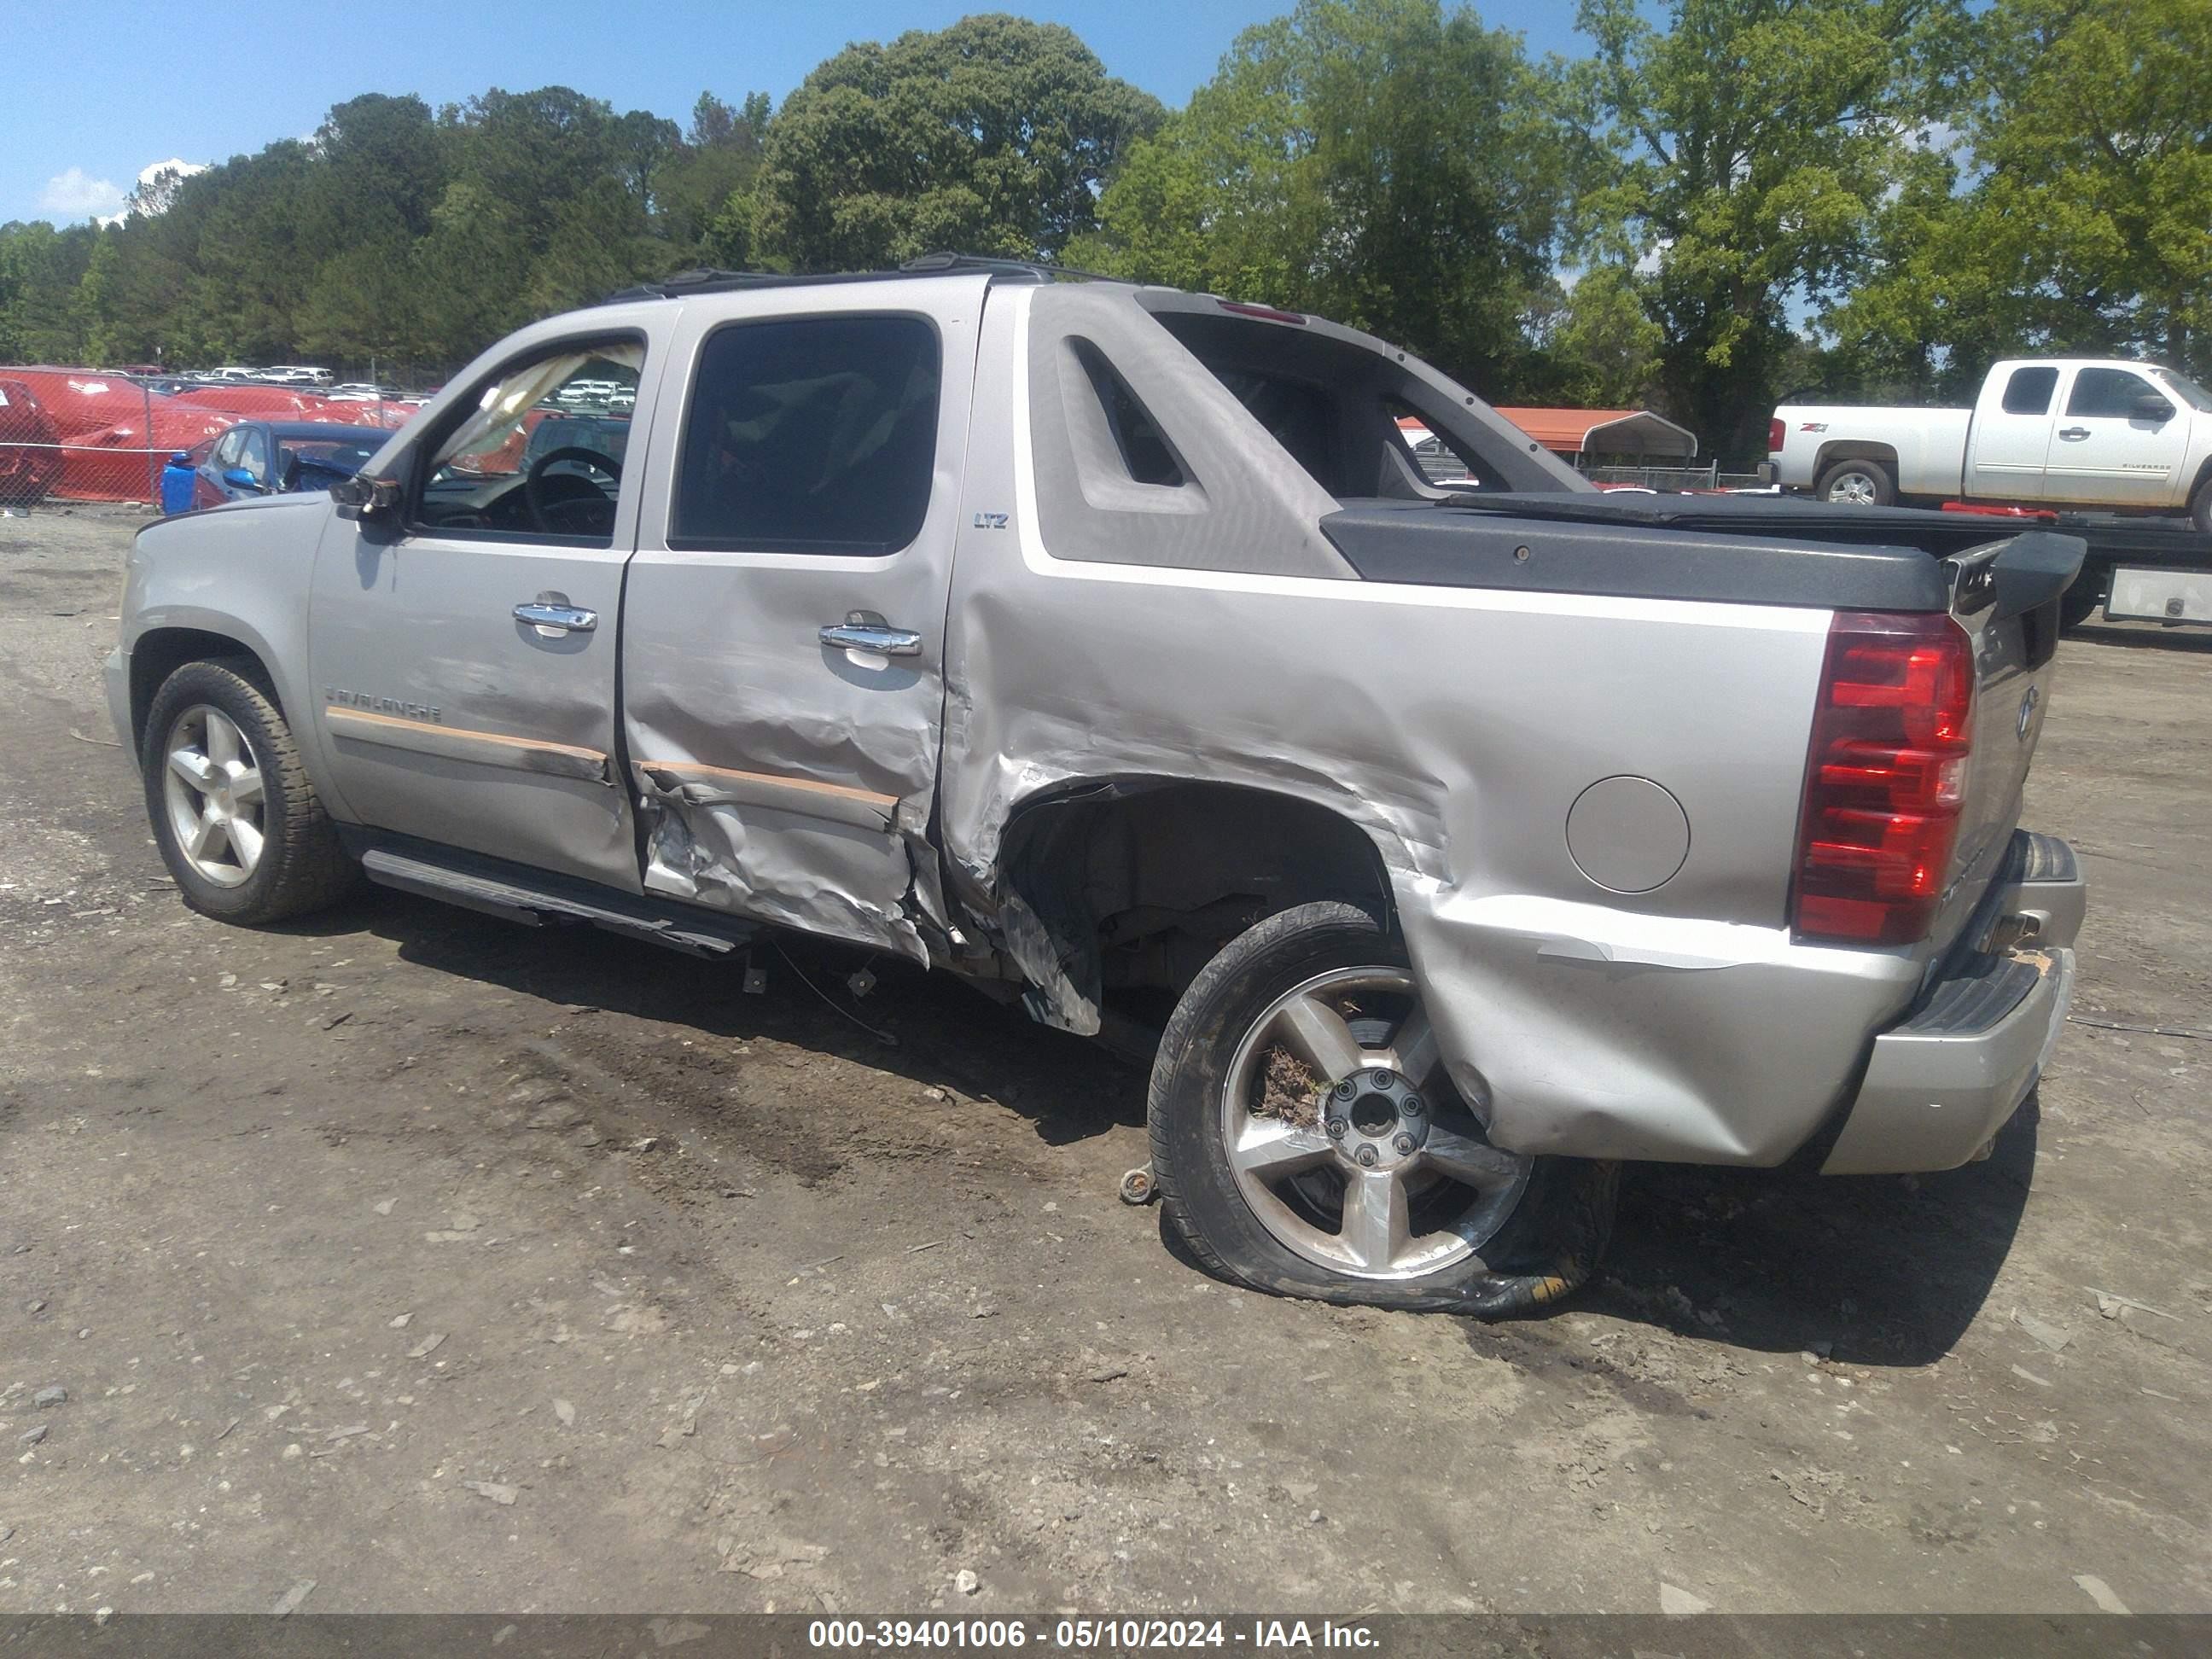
265	457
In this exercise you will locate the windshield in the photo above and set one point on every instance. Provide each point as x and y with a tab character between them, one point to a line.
2186	389
339	455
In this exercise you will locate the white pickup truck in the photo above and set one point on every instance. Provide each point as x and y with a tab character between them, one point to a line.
2049	431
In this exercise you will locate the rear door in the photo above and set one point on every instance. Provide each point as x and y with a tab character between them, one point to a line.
783	630
2107	450
2011	439
463	659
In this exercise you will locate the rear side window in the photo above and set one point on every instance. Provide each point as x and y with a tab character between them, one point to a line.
1144	450
2028	392
816	435
2111	392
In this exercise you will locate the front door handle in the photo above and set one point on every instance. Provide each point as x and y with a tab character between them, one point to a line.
550	618
875	636
2071	433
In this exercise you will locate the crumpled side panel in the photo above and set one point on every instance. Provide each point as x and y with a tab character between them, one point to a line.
798	871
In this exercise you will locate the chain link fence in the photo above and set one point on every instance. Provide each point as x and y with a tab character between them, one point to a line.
81	435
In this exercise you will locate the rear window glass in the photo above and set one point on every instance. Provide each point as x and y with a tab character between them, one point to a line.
2028	392
810	436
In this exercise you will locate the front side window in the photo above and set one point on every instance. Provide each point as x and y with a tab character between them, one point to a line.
253	455
2109	392
540	458
2028	392
226	450
816	435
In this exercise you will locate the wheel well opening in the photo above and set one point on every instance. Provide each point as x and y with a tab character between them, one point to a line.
1141	882
1849	450
162	652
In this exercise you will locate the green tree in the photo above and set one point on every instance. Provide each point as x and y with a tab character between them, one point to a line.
991	136
1387	163
1600	346
1752	142
2079	217
40	268
718	158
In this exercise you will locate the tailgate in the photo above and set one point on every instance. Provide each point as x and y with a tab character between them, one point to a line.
2005	596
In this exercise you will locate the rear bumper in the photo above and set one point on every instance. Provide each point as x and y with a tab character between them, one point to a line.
1943	1080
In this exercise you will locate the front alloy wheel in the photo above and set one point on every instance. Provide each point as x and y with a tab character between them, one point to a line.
214	793
232	808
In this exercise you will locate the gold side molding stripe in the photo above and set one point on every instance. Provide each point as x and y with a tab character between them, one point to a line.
559	760
708	785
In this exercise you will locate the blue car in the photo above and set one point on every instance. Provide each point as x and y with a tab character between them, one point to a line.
267	457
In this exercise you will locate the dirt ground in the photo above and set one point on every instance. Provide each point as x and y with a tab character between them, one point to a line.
453	1266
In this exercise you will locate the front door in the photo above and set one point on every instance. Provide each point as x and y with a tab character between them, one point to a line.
783	631
464	659
2112	446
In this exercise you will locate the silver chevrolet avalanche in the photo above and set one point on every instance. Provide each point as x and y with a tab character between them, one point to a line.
1441	844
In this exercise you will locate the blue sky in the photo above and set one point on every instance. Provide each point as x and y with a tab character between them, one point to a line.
97	90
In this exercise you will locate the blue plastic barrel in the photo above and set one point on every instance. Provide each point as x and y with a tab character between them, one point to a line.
176	478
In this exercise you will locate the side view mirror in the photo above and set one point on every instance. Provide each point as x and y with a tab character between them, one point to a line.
2152	407
363	497
239	479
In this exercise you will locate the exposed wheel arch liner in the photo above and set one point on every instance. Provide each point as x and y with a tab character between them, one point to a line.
1136	878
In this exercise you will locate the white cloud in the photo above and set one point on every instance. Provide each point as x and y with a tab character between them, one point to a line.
76	195
175	164
73	195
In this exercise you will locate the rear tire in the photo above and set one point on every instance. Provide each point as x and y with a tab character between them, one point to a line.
1363	1178
2200	508
1857	484
234	813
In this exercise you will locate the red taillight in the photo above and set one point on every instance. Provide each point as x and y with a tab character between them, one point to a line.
1777	433
1885	780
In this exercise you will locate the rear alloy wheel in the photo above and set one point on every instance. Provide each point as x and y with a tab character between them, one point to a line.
1308	1139
1857	484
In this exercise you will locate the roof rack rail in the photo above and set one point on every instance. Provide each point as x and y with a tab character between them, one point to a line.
708	281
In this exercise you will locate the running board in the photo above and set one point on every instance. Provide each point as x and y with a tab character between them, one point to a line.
536	900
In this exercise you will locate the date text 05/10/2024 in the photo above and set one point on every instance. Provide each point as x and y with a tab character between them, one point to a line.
1087	1635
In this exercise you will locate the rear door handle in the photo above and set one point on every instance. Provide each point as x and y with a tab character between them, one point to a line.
877	637
2071	433
548	618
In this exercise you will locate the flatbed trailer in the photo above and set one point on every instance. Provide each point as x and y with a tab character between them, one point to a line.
2138	568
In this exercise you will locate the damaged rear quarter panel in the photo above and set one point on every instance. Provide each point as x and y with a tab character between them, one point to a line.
1456	727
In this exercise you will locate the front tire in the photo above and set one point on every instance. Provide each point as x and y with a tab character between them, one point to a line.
2200	508
1857	484
1307	1141
234	813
